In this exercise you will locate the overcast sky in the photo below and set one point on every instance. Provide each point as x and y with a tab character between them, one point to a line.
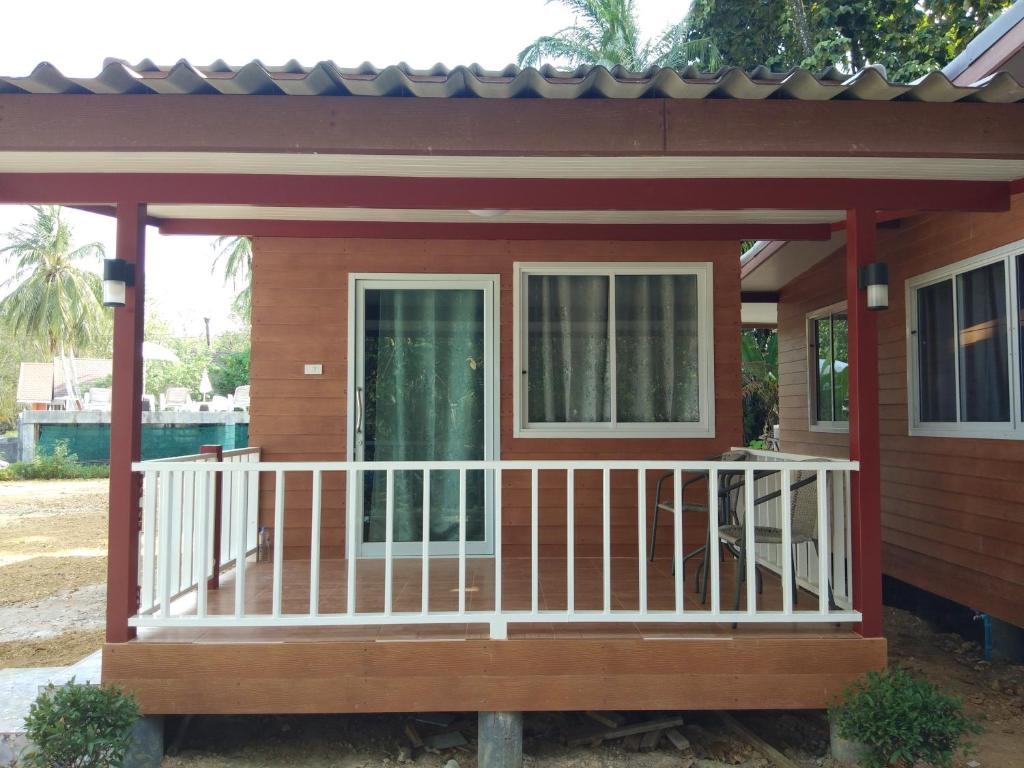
76	37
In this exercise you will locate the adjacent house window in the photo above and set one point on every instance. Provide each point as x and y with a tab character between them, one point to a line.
614	350
965	333
828	363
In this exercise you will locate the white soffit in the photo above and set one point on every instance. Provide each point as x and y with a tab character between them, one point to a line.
440	166
451	216
762	315
790	261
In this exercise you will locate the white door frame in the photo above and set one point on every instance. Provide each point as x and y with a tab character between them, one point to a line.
490	286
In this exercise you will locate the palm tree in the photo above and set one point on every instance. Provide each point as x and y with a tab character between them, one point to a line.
606	33
51	299
236	255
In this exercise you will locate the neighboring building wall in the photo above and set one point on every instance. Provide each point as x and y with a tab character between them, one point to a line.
952	508
300	315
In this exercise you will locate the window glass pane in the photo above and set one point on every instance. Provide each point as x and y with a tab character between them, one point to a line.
840	367
935	353
567	349
984	364
656	348
823	372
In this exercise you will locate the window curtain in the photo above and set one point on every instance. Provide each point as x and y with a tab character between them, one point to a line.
935	353
656	348
424	373
567	337
657	376
984	363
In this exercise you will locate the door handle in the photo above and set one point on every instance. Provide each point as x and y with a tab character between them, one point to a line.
359	410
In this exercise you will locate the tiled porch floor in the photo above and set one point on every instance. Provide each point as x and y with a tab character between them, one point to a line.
480	596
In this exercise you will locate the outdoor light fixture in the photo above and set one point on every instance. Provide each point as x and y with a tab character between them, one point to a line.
874	278
118	274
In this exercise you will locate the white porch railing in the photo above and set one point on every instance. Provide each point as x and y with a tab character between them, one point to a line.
182	503
182	489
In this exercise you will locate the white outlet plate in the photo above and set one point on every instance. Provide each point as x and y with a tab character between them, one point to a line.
313	369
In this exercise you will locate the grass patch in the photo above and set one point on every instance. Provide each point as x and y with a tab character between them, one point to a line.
57	651
60	465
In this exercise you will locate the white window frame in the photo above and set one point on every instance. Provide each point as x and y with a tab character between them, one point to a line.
813	424
1000	430
704	428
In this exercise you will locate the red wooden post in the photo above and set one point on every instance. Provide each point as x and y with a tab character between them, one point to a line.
126	431
865	484
218	503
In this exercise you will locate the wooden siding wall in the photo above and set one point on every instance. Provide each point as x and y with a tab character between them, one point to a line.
952	508
299	315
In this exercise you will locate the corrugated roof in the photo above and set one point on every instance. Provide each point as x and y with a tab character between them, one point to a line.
328	79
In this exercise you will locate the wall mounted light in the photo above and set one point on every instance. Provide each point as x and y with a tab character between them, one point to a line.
118	274
874	278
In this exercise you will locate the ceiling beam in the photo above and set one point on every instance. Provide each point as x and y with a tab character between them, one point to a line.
759	297
492	231
512	194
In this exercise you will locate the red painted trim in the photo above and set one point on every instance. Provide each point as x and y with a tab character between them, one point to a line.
865	484
1017	187
126	431
513	194
218	503
483	231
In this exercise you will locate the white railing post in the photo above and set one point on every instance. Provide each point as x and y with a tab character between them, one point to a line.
314	543
425	554
713	585
202	526
823	542
149	491
188	508
497	541
534	542
749	525
787	542
677	538
278	584
176	481
641	527
570	541
163	562
462	541
241	507
352	521
389	539
606	540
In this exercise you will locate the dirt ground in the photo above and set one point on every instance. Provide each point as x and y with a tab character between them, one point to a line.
53	560
52	565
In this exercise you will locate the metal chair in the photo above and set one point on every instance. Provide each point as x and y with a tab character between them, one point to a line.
668	504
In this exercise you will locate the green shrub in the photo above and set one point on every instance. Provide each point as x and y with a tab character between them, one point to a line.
80	726
902	720
59	465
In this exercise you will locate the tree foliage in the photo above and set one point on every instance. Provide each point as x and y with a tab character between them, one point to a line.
606	32
234	256
909	38
226	359
759	355
54	298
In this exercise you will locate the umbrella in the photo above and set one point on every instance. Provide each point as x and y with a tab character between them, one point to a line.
204	384
153	351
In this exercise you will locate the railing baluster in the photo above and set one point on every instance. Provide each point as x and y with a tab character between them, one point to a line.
425	554
823	542
462	541
677	539
202	527
497	541
351	534
570	541
389	538
188	509
534	543
251	532
787	542
641	503
278	542
749	525
241	507
176	483
714	569
148	594
314	543
606	540
163	562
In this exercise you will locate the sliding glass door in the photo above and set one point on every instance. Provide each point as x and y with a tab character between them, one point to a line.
424	390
